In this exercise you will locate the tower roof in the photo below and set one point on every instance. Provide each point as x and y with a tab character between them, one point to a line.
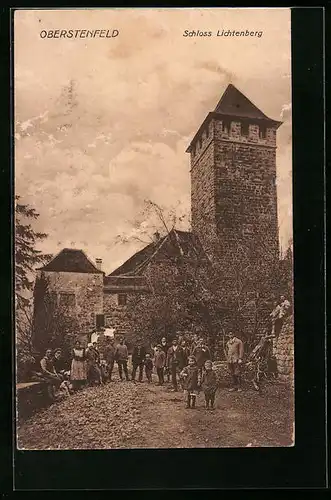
71	260
234	103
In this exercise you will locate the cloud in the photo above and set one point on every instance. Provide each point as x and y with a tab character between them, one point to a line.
102	126
286	111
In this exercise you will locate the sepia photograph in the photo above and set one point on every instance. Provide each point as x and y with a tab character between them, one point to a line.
153	239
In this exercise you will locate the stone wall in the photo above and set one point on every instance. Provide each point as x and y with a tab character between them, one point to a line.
245	190
116	316
284	352
203	196
88	296
233	186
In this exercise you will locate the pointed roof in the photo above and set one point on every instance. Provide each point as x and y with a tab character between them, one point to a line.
175	243
73	261
234	103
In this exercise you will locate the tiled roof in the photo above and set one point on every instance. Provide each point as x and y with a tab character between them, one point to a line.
71	260
235	103
176	243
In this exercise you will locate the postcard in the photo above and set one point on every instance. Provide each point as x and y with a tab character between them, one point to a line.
153	228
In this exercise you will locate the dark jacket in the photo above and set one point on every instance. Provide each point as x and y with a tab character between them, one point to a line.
201	354
176	357
190	378
60	365
165	348
209	381
148	364
91	355
138	355
121	352
186	353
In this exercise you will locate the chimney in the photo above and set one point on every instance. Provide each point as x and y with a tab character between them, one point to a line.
156	237
98	264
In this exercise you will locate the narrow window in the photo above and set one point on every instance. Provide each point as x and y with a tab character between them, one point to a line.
121	299
99	320
244	129
262	132
226	127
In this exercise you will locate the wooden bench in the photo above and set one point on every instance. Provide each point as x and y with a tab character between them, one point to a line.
30	396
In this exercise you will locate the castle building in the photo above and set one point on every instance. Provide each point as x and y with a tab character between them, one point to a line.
233	201
233	176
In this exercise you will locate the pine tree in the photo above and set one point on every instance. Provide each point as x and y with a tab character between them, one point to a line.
27	257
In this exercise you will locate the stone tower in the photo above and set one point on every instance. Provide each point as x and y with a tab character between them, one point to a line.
233	178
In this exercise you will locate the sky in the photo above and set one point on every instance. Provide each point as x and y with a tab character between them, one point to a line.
102	124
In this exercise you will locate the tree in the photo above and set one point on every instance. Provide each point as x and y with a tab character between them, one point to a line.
53	327
234	290
27	257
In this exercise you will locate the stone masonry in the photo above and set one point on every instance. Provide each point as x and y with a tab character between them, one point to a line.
284	352
233	201
86	296
233	185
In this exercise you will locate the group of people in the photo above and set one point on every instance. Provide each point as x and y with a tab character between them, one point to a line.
185	364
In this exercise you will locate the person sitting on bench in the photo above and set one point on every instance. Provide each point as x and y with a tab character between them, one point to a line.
49	374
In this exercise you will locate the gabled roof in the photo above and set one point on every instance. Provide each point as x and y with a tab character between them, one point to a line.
234	103
73	261
138	258
175	244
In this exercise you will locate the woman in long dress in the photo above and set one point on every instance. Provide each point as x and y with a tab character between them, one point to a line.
78	372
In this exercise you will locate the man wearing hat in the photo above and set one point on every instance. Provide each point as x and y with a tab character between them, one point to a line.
175	362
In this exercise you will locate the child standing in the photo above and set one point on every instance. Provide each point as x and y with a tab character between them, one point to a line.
148	367
190	381
209	384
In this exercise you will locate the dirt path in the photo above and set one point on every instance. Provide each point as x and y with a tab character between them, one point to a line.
141	415
239	420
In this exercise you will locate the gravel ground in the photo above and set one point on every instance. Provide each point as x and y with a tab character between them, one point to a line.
127	415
